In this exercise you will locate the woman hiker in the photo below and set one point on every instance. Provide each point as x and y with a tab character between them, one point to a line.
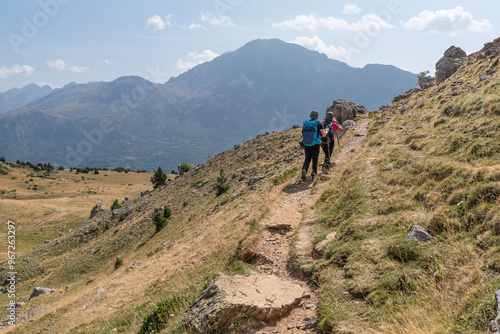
327	126
311	142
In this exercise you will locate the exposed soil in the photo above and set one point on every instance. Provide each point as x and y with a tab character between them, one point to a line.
270	248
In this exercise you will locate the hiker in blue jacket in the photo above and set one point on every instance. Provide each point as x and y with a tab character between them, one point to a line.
311	143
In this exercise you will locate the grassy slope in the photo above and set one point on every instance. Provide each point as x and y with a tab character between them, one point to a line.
198	243
422	163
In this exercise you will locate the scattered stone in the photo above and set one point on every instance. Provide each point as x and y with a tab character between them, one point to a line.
309	306
158	209
143	193
263	298
494	327
95	210
452	60
296	126
420	234
254	180
320	247
101	289
125	200
39	291
311	323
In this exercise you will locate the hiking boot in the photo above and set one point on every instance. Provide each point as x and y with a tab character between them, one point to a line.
304	175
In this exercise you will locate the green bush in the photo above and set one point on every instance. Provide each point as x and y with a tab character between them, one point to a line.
118	262
221	186
185	167
115	205
160	221
159	178
167	213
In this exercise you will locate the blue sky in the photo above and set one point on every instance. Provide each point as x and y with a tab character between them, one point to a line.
60	41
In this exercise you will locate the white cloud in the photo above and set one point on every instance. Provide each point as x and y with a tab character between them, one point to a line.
62	66
6	72
217	20
453	20
310	22
350	9
195	26
108	62
317	44
193	58
157	23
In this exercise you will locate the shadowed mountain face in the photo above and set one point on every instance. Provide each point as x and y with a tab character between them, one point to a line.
266	85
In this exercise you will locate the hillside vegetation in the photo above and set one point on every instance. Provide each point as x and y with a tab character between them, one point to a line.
430	159
433	160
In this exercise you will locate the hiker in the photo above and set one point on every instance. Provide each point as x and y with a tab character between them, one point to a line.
327	127
310	143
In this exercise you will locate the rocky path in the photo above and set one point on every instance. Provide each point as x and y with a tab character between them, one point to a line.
271	247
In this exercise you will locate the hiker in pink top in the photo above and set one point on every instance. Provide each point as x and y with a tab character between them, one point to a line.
327	126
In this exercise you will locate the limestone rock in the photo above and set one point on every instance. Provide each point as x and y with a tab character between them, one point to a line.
406	95
125	200
426	82
229	298
492	47
39	291
254	180
419	233
95	210
452	60
344	110
321	246
494	327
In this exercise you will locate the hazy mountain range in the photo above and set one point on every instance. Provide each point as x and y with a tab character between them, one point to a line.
266	85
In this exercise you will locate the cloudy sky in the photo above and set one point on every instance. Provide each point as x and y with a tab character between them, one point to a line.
60	41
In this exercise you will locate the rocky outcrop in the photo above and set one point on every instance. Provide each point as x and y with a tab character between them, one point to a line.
452	60
491	48
406	95
494	327
229	298
180	168
344	110
38	291
125	200
419	233
95	210
426	82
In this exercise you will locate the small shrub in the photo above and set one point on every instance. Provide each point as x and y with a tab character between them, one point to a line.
115	205
167	213
185	167
184	204
221	186
118	262
160	221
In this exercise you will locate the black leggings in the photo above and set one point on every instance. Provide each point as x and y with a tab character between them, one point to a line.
312	152
328	149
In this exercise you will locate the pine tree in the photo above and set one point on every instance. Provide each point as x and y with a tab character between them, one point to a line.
159	178
221	186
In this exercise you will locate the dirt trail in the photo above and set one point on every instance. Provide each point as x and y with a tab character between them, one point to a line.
270	248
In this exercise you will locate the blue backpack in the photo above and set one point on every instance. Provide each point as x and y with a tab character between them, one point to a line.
310	133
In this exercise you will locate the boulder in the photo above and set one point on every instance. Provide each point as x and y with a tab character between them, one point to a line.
494	327
452	60
39	291
125	200
95	210
420	234
229	298
426	82
344	110
321	246
491	48
254	180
